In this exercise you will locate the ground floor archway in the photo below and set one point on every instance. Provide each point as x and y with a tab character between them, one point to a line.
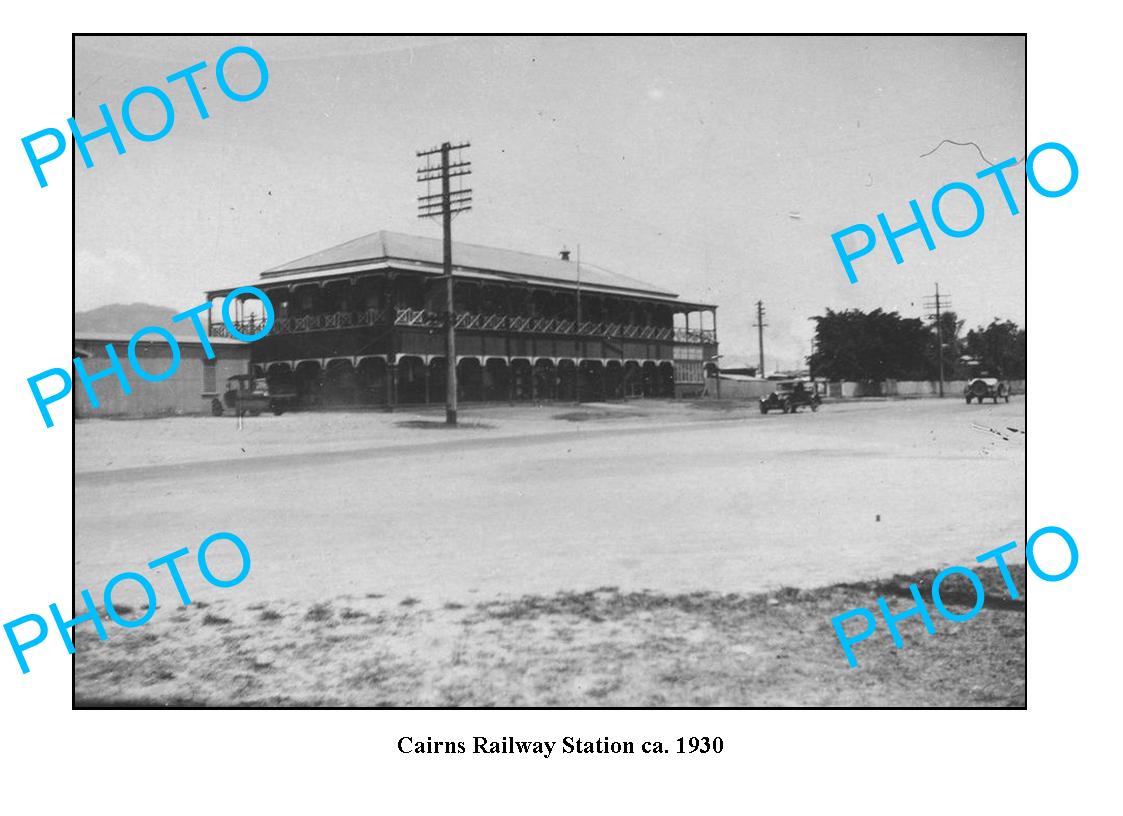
566	381
497	377
590	381
371	377
469	380
665	385
411	381
309	382
341	385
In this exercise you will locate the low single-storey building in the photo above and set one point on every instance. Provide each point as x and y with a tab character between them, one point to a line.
190	390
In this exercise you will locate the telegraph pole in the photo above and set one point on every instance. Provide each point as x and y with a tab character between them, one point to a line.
446	204
938	304
760	324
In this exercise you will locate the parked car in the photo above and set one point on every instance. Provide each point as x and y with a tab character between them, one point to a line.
986	387
247	394
789	396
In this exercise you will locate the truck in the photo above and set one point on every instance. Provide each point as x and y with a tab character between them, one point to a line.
250	394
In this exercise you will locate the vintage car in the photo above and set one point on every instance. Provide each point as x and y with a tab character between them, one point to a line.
789	396
247	394
986	387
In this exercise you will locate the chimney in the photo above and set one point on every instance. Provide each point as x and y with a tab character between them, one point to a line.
564	254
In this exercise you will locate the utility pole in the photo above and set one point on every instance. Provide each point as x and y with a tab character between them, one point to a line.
446	204
579	345
760	324
579	289
938	304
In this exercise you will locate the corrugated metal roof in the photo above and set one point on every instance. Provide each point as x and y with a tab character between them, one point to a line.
383	245
182	336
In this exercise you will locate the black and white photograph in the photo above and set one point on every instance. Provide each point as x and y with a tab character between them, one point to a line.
573	372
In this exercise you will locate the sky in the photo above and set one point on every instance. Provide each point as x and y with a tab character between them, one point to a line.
715	167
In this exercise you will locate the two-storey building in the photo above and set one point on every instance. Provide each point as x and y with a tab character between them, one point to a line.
363	322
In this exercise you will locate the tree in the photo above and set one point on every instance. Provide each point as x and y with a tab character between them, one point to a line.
1000	348
855	345
951	326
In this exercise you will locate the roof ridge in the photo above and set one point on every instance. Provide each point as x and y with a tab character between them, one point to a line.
378	245
501	249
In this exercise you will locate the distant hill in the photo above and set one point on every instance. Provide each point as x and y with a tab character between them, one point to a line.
125	318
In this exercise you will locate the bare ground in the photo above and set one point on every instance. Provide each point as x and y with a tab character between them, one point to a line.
628	554
598	648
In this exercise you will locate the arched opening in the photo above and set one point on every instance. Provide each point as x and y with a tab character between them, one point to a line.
496	380
372	381
309	382
591	381
542	303
409	291
614	380
650	377
279	378
340	383
666	385
438	379
567	381
305	300
632	386
338	296
545	380
469	380
411	380
522	378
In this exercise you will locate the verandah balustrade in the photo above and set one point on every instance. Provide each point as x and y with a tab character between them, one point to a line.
468	322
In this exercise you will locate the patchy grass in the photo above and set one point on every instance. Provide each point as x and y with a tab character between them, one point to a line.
442	425
726	405
319	612
596	415
602	647
269	615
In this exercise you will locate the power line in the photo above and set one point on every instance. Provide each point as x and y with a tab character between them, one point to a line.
760	324
446	204
935	304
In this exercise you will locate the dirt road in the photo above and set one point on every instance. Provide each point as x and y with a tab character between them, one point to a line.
666	497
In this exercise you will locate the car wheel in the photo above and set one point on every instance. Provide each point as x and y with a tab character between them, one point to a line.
277	408
255	413
786	408
763	408
814	406
216	408
1007	397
